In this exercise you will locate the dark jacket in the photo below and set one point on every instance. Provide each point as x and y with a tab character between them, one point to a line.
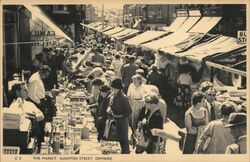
121	106
128	71
154	78
98	58
102	108
155	121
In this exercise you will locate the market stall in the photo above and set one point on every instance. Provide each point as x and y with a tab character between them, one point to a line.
187	35
113	31
125	33
144	37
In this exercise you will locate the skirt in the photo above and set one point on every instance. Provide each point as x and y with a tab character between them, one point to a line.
189	143
182	100
136	106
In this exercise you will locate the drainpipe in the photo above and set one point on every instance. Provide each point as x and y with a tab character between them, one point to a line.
18	38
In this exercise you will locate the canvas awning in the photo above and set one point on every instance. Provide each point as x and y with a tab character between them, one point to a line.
107	28
174	38
188	24
98	28
221	52
233	61
95	24
222	44
205	25
144	37
114	31
175	24
92	25
167	41
37	12
196	33
125	33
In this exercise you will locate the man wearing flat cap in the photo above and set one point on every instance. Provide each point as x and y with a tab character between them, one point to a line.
237	126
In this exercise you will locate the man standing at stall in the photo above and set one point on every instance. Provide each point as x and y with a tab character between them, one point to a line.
36	87
36	95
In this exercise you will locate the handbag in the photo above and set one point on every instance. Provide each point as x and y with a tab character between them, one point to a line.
142	141
111	130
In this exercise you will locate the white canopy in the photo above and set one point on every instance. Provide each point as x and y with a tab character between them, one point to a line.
35	11
222	44
144	37
125	33
167	41
188	24
180	41
107	28
114	31
175	24
205	25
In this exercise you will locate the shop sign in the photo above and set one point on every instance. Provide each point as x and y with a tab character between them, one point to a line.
241	37
183	13
43	38
194	13
42	33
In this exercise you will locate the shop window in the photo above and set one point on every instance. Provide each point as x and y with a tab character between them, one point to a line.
60	9
159	13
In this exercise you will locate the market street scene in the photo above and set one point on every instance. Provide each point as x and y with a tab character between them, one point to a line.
95	79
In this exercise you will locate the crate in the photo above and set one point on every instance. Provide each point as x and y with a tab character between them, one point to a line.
10	150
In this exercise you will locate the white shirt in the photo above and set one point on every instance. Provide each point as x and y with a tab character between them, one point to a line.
184	79
36	88
27	107
117	65
136	93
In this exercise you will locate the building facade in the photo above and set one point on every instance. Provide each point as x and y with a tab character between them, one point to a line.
67	17
148	16
91	14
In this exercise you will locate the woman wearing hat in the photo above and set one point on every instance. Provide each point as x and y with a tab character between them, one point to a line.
136	90
120	109
102	110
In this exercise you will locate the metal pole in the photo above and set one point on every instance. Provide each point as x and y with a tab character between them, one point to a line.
102	16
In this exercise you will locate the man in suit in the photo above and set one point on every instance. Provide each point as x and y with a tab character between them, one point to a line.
128	71
211	105
237	125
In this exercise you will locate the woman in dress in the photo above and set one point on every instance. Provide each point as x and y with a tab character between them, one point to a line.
135	94
196	119
182	100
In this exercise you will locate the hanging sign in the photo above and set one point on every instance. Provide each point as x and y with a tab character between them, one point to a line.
43	38
182	13
193	13
241	37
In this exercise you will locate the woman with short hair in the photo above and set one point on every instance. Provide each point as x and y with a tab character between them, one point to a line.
136	91
196	118
151	119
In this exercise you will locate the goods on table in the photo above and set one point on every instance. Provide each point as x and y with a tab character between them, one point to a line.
110	147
